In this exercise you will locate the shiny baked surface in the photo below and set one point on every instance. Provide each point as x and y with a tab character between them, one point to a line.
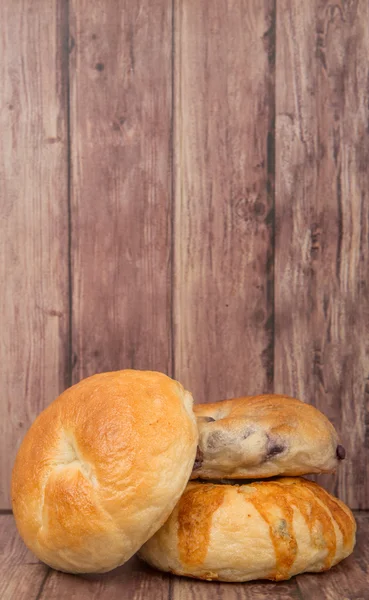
264	436
261	530
102	467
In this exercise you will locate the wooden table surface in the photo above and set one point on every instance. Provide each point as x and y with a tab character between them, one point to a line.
22	576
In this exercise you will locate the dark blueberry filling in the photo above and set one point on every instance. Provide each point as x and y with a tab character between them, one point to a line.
274	447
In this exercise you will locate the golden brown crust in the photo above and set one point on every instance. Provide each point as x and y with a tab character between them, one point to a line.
196	508
102	467
342	517
262	530
264	436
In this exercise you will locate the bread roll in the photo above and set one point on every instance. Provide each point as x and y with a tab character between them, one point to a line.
262	530
264	436
101	469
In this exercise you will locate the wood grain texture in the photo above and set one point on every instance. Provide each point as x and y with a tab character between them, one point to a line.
21	576
346	581
133	581
362	540
322	216
183	589
12	549
22	582
120	78
34	318
223	228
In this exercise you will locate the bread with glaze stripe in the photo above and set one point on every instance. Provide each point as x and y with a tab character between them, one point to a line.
261	530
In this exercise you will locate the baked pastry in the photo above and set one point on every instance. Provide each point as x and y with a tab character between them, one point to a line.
264	436
262	530
101	469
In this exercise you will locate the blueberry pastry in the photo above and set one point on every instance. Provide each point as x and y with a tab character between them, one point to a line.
264	436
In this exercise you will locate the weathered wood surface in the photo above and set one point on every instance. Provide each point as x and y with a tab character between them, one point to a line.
137	195
134	581
322	222
21	574
120	106
34	316
22	577
204	590
223	228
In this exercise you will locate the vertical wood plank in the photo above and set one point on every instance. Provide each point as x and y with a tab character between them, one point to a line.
224	150
322	212
120	71
362	540
34	317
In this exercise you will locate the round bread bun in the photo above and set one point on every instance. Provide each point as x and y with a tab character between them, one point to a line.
264	436
101	469
262	530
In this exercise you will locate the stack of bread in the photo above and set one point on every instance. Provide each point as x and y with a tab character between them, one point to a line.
104	472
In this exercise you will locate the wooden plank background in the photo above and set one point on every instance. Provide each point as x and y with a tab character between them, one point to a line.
184	187
224	201
34	313
121	115
322	218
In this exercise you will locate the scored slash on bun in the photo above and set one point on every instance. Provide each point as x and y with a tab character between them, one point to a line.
102	467
264	436
262	530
